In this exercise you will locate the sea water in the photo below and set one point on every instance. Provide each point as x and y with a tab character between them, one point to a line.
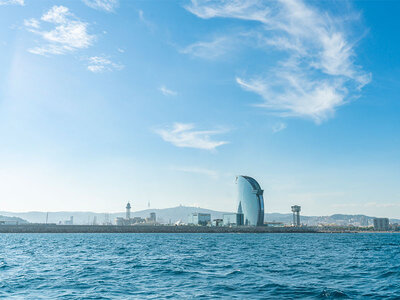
208	266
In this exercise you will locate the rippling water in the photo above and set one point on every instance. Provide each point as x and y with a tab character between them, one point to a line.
241	266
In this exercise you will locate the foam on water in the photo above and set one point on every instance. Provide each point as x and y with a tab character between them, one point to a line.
234	266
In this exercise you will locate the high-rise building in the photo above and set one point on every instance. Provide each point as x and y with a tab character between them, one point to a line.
381	224
250	201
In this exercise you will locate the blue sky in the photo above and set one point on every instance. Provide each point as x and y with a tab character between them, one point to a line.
106	101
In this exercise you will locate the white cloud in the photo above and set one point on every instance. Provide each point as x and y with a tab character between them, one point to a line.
184	135
67	35
98	64
316	73
167	92
106	5
279	126
12	2
196	170
57	15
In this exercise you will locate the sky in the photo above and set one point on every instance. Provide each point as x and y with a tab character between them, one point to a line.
163	103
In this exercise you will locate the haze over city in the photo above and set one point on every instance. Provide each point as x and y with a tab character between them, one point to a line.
165	102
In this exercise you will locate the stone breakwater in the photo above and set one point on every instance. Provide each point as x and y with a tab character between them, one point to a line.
51	228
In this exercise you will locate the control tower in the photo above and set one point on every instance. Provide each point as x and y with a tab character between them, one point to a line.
128	211
296	215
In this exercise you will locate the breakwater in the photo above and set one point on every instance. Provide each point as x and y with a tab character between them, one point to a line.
52	228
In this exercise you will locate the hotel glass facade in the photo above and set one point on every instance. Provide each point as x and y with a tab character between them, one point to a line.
233	219
250	201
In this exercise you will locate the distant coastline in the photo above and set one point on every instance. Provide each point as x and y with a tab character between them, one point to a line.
181	213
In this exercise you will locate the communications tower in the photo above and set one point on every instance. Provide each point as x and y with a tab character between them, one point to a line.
296	215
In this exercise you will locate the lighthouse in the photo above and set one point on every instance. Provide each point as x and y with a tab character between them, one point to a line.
128	211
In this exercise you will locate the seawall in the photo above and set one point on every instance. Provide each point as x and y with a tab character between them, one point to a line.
51	228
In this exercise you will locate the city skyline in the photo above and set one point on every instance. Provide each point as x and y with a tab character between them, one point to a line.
105	102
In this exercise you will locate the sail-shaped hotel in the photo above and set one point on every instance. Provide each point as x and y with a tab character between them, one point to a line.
250	201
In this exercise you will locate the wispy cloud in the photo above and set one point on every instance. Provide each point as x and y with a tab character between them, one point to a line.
316	74
98	64
67	35
146	22
32	23
279	126
213	49
167	92
196	170
185	135
12	2
106	5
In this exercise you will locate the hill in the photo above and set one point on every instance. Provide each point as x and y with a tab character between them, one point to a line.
181	213
15	220
166	215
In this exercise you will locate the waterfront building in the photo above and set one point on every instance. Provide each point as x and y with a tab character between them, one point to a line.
395	226
126	222
363	221
217	222
233	219
250	201
120	221
8	222
137	220
381	224
199	219
274	224
152	218
70	221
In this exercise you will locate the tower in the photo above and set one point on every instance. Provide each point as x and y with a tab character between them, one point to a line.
128	211
296	215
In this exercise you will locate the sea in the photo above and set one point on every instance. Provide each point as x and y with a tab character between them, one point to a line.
200	266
